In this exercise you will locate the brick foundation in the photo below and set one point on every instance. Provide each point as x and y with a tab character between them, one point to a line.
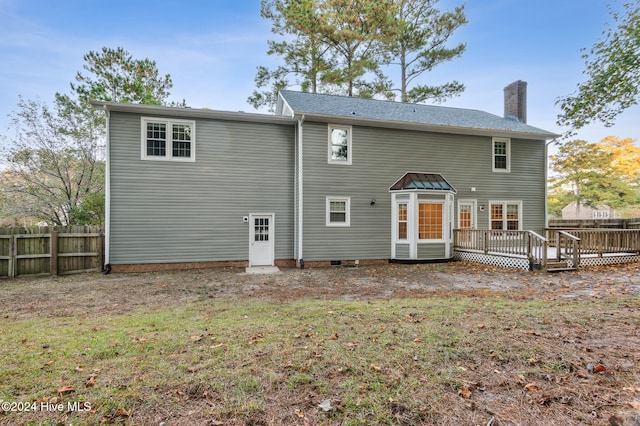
154	267
348	263
281	263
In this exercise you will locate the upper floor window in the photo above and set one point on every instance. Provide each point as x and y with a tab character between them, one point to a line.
164	139
339	144
501	155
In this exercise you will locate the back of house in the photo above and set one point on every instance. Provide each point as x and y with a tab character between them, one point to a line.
327	179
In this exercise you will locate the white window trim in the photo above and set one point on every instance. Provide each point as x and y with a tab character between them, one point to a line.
347	222
397	222
504	207
445	221
169	147
349	145
493	155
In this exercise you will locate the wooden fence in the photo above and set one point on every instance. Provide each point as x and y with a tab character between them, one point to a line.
56	250
595	223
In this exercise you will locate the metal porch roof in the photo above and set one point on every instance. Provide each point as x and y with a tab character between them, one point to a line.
425	181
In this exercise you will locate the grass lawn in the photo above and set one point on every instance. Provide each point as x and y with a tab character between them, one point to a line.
474	358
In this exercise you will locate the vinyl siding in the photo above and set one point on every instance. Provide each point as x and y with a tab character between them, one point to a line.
432	251
381	157
164	211
402	251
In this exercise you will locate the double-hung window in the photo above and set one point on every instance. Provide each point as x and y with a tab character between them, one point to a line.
505	215
338	211
339	149
164	139
403	221
501	154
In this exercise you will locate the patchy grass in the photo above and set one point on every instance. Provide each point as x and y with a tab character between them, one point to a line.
445	359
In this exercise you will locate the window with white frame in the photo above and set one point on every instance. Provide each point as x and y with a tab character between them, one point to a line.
505	215
164	139
339	144
403	216
338	211
501	154
430	221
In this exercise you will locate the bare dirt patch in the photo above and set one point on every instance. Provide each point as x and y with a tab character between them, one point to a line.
114	294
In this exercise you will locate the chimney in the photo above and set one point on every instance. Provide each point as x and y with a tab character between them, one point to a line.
515	100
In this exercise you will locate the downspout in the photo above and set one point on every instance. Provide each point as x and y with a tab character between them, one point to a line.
300	194
107	198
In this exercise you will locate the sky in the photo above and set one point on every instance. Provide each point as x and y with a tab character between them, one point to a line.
211	49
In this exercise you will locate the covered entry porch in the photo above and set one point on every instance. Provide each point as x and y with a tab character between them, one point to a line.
557	250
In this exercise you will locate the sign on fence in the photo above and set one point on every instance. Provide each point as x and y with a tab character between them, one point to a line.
50	250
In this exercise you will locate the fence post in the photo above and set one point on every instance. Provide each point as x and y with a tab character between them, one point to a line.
12	257
53	239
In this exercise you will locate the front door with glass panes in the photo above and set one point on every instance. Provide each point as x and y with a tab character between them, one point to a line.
261	240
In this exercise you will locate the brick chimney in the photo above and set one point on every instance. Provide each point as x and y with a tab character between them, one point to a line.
515	100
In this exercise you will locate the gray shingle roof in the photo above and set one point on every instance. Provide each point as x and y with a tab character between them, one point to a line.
396	112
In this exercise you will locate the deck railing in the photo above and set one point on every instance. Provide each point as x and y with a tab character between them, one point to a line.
568	247
600	241
525	244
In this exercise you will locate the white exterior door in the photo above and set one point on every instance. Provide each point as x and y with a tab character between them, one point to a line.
261	239
466	214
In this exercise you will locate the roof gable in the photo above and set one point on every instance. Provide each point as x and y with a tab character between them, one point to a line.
438	118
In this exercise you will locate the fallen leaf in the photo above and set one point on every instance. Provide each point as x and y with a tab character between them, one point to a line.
66	389
464	392
299	413
91	382
375	367
196	338
531	387
599	369
634	404
122	412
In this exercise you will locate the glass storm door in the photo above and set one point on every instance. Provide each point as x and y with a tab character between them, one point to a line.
261	240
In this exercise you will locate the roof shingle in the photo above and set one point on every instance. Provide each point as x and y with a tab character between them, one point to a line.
389	111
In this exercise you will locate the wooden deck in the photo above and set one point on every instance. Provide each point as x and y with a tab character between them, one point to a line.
557	250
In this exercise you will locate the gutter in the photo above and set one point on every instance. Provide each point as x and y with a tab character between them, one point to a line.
196	113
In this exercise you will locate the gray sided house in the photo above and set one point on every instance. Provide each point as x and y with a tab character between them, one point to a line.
327	178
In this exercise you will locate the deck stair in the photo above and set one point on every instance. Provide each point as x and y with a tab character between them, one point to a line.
559	266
